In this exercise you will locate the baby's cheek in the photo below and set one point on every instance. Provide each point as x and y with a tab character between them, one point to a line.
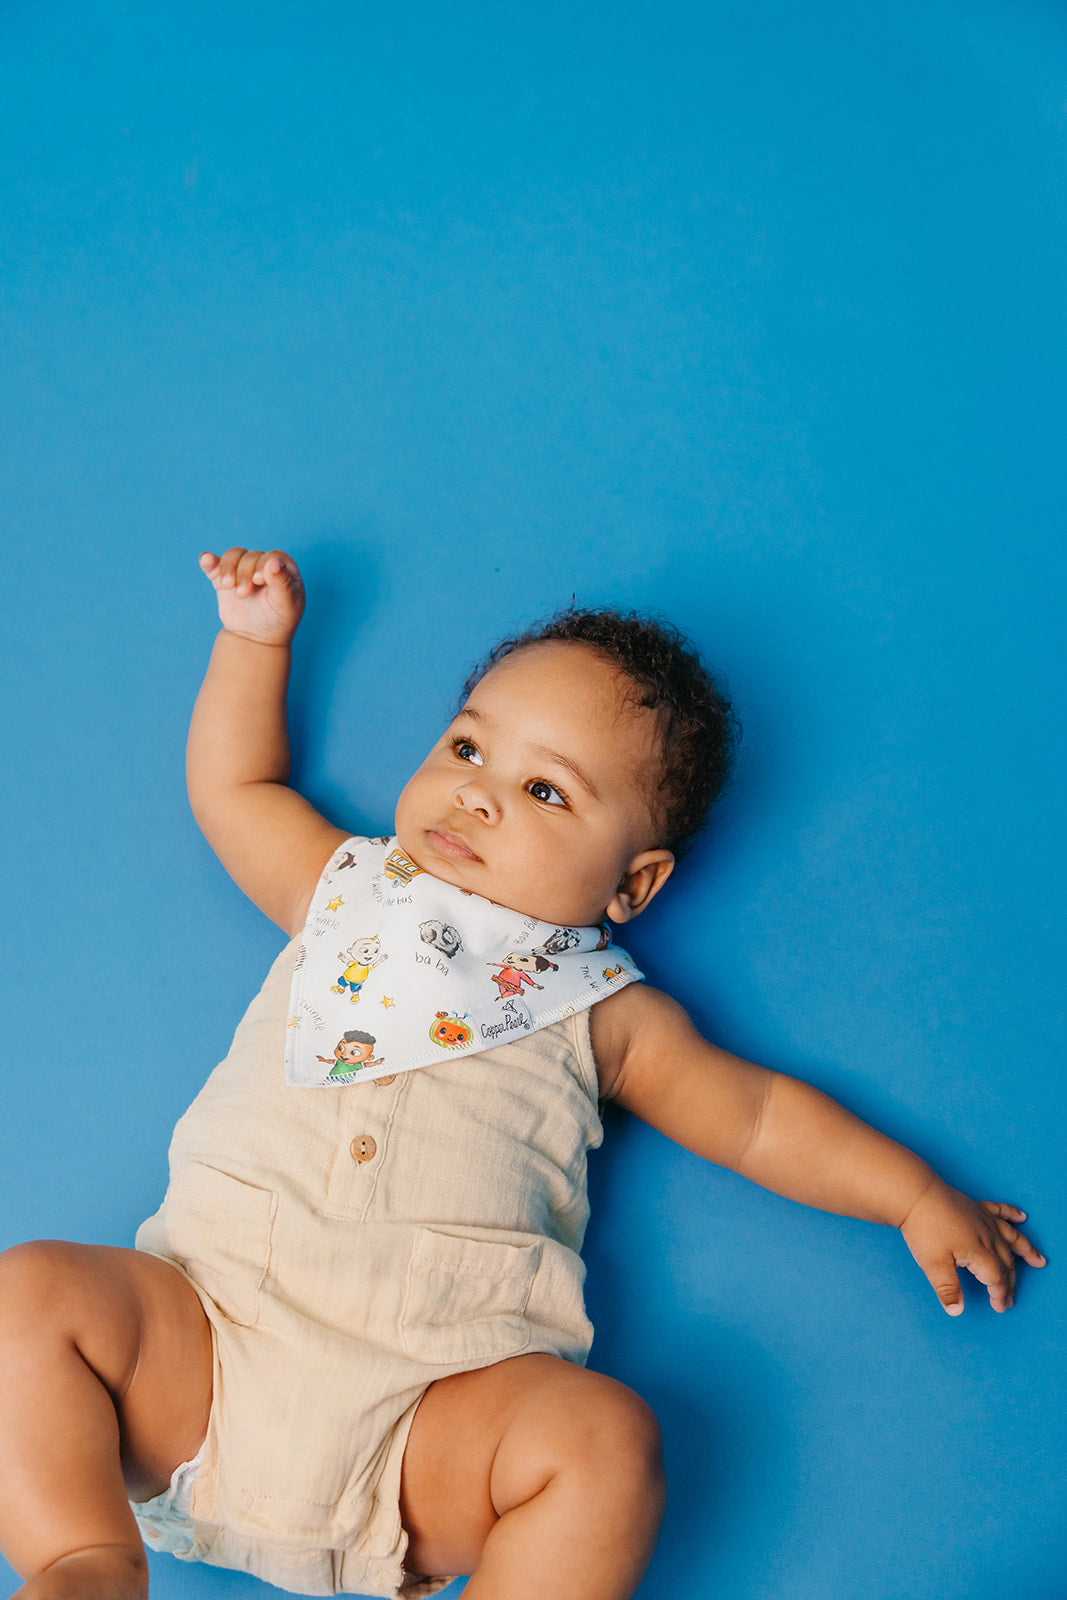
407	806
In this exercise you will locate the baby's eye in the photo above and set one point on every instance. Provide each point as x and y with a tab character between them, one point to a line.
547	793
467	751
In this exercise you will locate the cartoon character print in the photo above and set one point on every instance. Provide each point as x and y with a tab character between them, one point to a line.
605	937
556	943
450	1031
351	1053
400	868
442	936
347	858
361	958
515	970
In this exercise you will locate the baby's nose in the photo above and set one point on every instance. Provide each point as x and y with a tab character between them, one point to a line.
477	797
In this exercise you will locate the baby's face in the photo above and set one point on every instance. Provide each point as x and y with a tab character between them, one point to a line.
535	796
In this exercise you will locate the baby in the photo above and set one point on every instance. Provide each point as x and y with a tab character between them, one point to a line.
347	1354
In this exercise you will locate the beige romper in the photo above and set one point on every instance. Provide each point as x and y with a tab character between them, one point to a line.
350	1245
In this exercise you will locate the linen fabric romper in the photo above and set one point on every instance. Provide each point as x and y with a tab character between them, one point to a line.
349	1246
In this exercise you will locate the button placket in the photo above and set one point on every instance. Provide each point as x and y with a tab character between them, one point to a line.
360	1155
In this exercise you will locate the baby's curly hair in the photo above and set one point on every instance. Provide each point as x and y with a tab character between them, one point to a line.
699	731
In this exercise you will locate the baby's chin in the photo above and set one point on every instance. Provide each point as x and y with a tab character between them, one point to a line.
475	878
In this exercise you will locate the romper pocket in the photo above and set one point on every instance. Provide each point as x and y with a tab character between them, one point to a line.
465	1298
218	1229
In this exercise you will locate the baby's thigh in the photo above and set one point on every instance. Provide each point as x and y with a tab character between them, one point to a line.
138	1324
484	1442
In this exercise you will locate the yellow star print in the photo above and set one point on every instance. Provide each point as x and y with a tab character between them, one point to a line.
335	904
386	1002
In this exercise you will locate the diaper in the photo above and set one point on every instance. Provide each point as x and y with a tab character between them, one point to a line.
164	1521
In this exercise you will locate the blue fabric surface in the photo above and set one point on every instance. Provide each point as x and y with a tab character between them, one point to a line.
752	316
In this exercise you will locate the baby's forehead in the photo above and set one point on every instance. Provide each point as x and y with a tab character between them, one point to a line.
574	688
560	676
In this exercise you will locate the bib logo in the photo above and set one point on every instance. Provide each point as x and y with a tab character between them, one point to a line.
450	1032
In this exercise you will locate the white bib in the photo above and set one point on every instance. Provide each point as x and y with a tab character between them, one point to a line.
396	969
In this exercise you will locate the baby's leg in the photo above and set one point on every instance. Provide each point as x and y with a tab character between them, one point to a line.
542	1479
105	1386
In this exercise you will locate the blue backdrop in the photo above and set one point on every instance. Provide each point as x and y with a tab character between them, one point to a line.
752	315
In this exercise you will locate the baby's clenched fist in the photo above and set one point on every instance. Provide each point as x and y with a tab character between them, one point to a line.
260	593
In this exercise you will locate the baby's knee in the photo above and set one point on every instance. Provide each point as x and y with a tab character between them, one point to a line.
33	1280
59	1300
49	1287
616	1435
604	1464
591	1433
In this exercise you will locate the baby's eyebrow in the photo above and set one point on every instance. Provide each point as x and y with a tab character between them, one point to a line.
568	765
541	750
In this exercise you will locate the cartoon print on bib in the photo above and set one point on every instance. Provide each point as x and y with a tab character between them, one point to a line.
463	974
441	936
362	956
351	1053
451	1033
399	867
515	970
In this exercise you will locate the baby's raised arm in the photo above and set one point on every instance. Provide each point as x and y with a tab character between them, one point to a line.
270	840
790	1137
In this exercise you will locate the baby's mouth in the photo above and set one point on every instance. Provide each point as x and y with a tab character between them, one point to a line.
450	844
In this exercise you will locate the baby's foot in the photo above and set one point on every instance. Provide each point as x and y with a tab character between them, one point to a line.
103	1572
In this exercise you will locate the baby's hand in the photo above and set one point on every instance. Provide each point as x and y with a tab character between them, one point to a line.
945	1230
261	595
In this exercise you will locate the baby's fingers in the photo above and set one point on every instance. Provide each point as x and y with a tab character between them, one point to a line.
946	1284
1018	1242
996	1270
279	572
246	571
223	570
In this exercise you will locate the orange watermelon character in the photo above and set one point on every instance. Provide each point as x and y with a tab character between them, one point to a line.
450	1032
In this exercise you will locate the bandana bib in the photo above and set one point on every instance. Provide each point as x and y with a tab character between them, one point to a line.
396	969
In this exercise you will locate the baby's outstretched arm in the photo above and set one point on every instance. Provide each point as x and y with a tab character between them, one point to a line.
271	841
790	1137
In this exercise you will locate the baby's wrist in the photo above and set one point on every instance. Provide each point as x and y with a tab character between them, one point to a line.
934	1189
284	643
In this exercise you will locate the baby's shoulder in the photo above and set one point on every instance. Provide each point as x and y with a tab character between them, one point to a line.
626	1022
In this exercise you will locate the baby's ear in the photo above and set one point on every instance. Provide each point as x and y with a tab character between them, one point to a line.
643	878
